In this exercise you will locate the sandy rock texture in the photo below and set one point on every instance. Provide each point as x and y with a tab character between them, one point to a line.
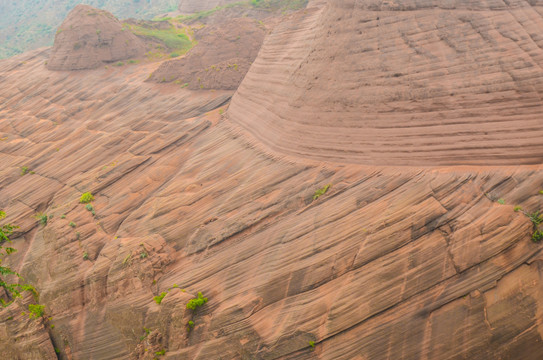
412	262
90	37
221	58
401	83
194	6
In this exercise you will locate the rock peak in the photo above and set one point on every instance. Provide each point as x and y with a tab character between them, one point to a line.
89	37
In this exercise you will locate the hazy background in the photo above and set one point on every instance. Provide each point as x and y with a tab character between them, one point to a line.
29	24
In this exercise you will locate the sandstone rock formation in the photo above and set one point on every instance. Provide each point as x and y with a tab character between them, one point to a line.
401	83
194	6
393	263
90	37
221	58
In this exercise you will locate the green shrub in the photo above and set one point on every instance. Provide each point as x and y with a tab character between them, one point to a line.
174	55
312	344
85	256
158	299
36	310
118	63
63	216
24	170
42	218
89	207
517	209
321	192
195	303
537	236
160	353
72	224
86	198
535	218
190	326
501	201
147	332
12	290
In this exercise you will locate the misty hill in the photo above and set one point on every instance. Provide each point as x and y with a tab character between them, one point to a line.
26	25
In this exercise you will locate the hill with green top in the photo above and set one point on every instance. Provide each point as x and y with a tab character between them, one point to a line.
29	24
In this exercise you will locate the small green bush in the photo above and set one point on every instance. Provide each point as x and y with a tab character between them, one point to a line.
36	310
118	63
147	332
190	326
89	207
517	209
174	55
158	299
501	201
312	344
72	224
85	256
42	218
195	303
86	198
63	216
537	236
24	170
160	353
321	192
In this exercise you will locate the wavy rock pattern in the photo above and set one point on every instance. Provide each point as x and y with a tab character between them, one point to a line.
401	83
394	264
390	263
88	38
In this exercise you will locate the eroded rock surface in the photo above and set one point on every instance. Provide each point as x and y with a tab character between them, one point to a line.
90	37
389	263
401	83
221	58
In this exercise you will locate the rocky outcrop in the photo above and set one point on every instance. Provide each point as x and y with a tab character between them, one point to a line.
194	6
400	83
399	263
90	37
221	58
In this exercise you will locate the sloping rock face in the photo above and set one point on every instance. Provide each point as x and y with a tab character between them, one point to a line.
221	58
390	263
401	83
194	6
90	37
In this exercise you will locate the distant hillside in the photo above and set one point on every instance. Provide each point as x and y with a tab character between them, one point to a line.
29	24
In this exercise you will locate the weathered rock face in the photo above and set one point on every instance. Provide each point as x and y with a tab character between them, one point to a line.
194	6
390	263
401	83
220	60
90	37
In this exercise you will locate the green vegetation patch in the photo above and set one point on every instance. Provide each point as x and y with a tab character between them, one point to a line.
272	5
173	37
195	303
86	198
36	310
158	298
321	192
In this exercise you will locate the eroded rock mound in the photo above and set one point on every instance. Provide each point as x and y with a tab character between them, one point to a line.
401	83
220	60
90	37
